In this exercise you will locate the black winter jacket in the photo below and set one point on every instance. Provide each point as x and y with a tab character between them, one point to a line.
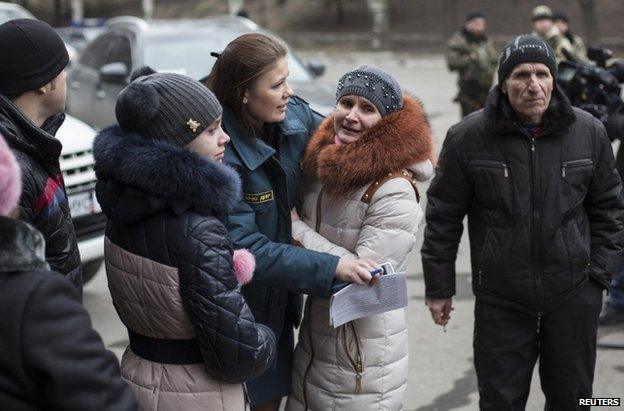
544	213
51	356
166	204
43	203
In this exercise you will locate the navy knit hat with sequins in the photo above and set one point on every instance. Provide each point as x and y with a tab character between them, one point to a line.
379	87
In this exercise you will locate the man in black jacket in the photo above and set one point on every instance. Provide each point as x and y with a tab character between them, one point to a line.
538	183
32	99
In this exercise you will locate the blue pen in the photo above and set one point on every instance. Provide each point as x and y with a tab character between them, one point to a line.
376	272
339	285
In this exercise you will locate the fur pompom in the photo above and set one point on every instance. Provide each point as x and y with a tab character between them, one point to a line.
244	265
136	104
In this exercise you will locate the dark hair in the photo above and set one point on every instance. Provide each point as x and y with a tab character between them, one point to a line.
245	59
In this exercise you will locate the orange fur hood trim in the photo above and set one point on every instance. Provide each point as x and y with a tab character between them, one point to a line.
397	141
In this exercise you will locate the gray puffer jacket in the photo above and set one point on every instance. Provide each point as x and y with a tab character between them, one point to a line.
193	338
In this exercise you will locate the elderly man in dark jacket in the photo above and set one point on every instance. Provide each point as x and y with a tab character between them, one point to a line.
538	182
32	99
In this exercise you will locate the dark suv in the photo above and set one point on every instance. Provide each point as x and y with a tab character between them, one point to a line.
181	46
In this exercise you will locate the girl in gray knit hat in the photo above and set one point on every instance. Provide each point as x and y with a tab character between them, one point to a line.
360	201
172	271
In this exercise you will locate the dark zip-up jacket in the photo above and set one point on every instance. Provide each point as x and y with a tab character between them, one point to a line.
260	222
544	213
43	203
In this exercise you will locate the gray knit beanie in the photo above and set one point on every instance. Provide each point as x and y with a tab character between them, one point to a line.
166	106
375	85
525	48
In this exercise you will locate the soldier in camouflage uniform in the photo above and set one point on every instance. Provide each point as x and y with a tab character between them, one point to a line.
562	22
544	28
473	56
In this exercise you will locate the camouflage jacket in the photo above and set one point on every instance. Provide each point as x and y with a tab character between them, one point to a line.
475	60
564	50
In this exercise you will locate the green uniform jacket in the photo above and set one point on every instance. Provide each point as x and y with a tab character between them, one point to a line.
475	60
260	222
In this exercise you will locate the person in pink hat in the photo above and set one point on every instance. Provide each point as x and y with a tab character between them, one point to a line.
49	353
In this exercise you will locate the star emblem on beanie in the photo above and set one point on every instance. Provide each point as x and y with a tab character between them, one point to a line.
193	125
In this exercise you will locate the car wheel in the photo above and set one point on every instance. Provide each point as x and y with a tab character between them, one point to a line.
90	269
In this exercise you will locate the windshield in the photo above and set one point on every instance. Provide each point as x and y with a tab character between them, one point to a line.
11	14
191	56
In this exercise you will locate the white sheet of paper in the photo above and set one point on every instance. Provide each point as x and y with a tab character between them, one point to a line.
359	301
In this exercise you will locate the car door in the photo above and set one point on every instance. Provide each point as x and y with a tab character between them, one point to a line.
84	78
106	92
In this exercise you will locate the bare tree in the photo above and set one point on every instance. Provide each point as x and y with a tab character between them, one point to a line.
58	12
148	8
590	21
77	10
379	10
454	18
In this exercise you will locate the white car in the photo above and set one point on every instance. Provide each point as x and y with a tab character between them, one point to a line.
77	167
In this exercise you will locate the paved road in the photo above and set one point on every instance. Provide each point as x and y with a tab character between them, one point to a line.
441	372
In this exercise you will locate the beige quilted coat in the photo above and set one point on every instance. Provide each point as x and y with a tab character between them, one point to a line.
361	365
147	298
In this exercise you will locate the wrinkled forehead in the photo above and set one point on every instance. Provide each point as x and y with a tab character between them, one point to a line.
530	68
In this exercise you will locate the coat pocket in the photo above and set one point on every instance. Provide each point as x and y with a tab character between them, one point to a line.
575	179
492	182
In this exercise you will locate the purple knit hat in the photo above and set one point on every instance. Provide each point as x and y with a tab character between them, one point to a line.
10	180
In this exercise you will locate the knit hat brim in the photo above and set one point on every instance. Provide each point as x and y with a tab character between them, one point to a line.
525	49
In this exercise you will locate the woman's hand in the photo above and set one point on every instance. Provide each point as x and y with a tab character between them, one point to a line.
293	215
355	271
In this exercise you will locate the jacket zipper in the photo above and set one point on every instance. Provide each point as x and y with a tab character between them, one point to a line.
319	200
490	164
535	229
356	362
539	321
309	366
309	308
575	164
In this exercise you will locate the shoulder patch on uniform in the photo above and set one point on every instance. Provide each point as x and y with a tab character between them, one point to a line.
257	198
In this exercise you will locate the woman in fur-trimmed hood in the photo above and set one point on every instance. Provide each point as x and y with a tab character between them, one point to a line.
171	269
361	202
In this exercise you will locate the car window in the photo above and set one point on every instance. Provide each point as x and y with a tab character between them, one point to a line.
99	52
122	52
191	56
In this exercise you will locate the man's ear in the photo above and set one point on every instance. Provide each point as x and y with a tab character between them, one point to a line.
503	87
44	89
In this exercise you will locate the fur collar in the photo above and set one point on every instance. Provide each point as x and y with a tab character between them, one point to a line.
169	176
501	118
394	143
22	247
